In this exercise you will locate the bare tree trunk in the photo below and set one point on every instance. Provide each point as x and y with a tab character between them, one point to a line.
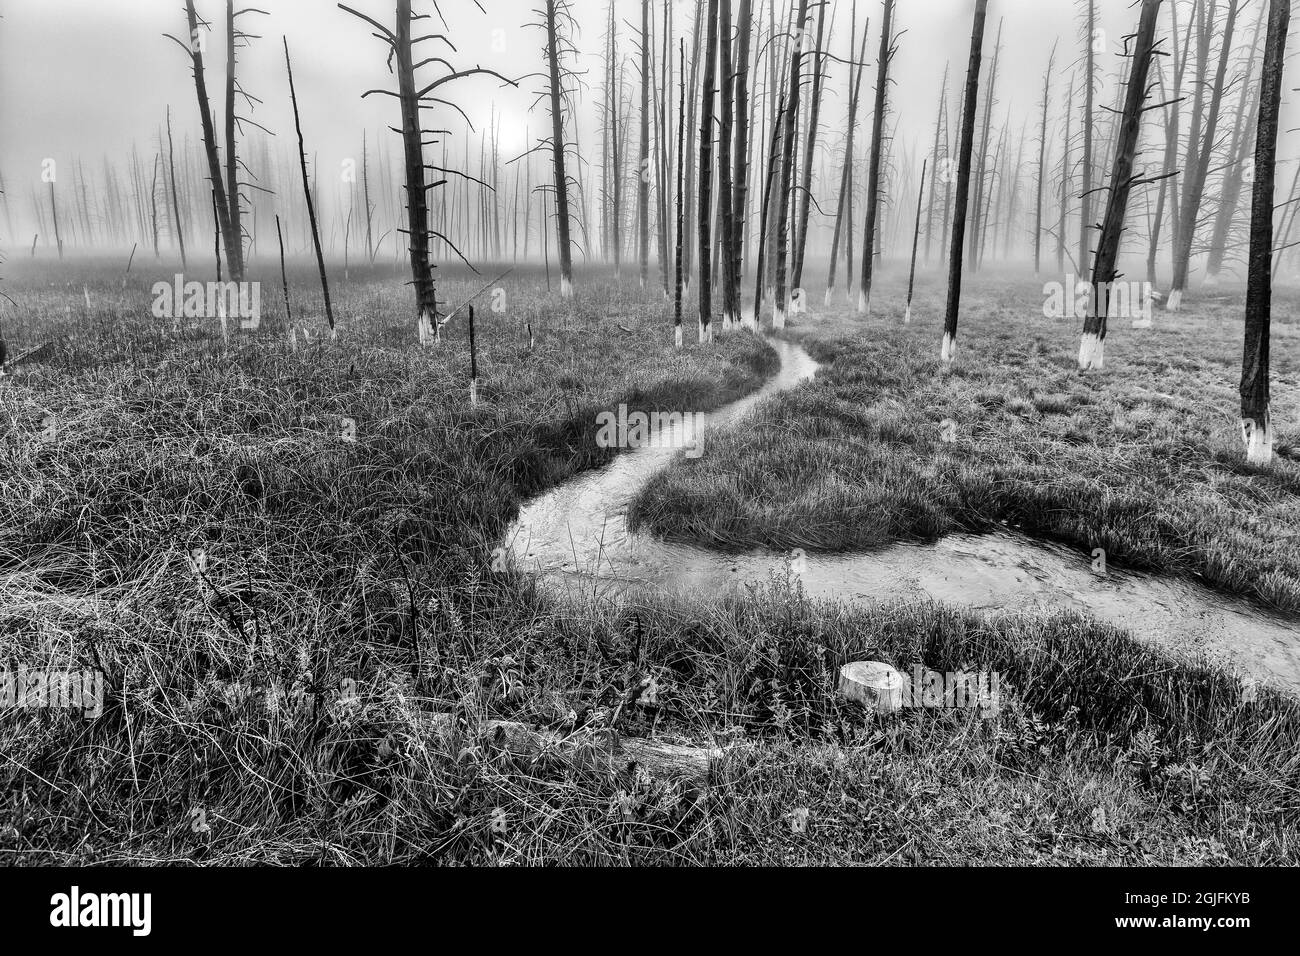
781	297
663	146
176	204
765	216
873	170
1092	345
222	212
940	122
740	157
916	239
54	212
948	348
1064	211
311	207
643	167
976	253
1085	200
844	208
814	109
235	256
1042	163
1256	425
692	127
1194	177
365	185
706	173
727	257
681	224
557	152
153	205
1238	150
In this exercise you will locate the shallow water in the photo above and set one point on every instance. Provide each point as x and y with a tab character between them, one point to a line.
575	536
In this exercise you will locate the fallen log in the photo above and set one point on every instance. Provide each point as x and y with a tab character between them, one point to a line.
593	749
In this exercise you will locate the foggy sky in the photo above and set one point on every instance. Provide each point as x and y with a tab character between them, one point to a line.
89	78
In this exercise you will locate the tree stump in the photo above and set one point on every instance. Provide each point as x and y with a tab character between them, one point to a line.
874	685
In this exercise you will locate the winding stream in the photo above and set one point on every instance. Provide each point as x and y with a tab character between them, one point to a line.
575	536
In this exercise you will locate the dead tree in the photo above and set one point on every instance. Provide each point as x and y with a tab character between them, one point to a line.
948	347
844	208
873	168
1238	151
1167	194
1122	179
1089	89
614	199
370	209
153	204
1257	428
979	218
555	47
1196	172
740	157
663	147
916	239
940	130
1042	161
681	224
726	127
306	187
412	97
706	173
1064	191
814	109
643	167
176	203
195	47
780	300
54	212
692	128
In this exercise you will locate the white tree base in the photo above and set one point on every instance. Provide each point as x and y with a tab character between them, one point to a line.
1175	301
473	393
1092	351
947	349
907	316
864	304
566	288
830	293
706	333
1259	441
677	337
778	318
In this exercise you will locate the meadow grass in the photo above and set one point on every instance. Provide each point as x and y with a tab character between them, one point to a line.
1143	460
353	584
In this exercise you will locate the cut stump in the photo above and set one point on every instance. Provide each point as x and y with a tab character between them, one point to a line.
874	685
